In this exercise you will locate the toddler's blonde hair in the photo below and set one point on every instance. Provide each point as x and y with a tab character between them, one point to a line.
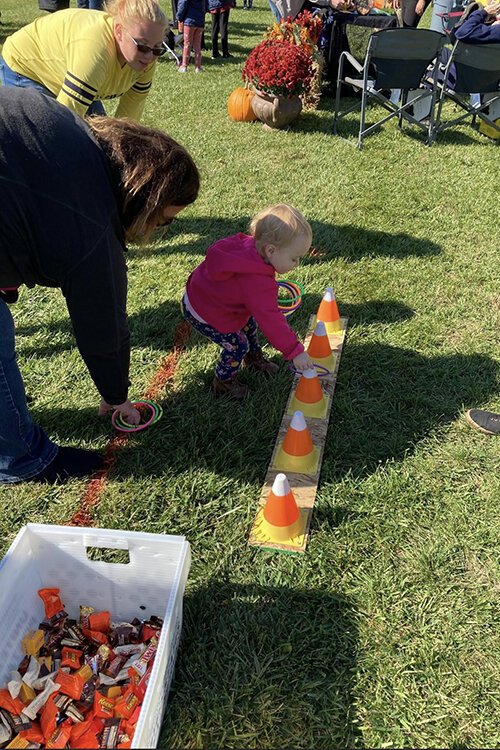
278	225
144	10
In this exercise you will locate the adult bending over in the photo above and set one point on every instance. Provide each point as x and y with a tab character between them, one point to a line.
81	57
66	226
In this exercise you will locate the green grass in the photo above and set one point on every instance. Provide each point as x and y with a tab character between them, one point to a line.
386	632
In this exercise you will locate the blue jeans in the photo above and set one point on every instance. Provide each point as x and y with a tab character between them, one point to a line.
9	77
275	11
90	4
25	449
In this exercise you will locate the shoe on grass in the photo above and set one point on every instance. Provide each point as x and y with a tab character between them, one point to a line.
70	463
230	388
198	70
485	421
182	69
257	361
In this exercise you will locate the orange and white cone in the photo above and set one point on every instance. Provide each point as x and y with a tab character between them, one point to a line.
281	518
309	397
319	348
328	312
297	452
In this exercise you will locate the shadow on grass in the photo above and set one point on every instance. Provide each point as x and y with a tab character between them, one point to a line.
386	400
264	667
329	240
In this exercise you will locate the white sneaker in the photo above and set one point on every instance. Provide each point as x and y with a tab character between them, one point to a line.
198	70
182	69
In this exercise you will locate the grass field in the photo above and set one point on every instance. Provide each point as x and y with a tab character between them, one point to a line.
386	632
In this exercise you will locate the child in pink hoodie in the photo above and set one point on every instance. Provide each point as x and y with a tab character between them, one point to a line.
234	290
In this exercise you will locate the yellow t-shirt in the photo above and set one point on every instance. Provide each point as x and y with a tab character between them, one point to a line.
73	54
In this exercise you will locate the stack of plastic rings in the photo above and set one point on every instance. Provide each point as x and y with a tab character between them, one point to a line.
323	372
289	305
155	413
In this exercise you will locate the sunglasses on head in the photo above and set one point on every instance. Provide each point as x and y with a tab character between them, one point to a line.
144	48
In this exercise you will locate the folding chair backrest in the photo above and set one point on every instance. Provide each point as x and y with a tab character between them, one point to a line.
477	67
400	57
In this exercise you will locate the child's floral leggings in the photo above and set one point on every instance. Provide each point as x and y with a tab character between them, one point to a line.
234	345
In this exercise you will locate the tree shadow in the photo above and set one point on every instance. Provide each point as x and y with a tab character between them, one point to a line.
275	663
386	400
151	326
345	241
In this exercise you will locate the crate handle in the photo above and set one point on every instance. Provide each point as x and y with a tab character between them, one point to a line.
113	550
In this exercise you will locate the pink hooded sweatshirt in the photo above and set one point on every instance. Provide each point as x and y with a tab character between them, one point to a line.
233	283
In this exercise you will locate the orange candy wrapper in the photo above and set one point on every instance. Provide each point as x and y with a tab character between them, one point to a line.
14	705
52	602
71	684
103	706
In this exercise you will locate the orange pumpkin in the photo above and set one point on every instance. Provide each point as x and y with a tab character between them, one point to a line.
239	105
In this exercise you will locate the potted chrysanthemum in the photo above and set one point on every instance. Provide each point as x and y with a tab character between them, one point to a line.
279	72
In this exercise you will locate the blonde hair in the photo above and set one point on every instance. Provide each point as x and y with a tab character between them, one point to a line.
144	10
279	225
154	172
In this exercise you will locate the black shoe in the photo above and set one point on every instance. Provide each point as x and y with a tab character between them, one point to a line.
226	54
70	463
215	55
485	421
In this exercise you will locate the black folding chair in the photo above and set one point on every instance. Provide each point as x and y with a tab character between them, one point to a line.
471	69
395	59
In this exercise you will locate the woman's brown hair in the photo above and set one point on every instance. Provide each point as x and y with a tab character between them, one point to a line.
155	172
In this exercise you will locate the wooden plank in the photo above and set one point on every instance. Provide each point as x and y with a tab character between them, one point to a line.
303	486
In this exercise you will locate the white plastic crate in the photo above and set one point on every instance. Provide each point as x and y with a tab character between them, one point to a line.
151	583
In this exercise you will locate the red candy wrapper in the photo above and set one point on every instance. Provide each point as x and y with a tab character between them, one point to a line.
100	621
52	602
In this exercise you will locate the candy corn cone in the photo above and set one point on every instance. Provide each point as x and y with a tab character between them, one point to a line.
297	452
319	348
281	518
328	312
309	397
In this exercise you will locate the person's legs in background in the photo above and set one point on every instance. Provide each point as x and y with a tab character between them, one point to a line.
224	21
215	34
274	11
186	50
409	14
82	3
197	36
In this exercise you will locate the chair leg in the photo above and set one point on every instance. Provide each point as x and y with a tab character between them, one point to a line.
362	117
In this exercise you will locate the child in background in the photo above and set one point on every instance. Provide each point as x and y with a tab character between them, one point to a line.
191	13
234	289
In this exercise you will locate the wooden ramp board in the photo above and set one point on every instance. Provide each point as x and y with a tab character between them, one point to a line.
303	486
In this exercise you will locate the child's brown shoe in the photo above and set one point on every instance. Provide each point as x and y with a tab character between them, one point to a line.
230	388
257	361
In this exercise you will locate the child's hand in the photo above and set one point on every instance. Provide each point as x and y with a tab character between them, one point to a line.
303	362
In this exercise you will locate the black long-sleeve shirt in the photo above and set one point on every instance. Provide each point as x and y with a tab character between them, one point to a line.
60	226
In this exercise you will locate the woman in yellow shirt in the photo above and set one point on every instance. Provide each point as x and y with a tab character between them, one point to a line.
80	56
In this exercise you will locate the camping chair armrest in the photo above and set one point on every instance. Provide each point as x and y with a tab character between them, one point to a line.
355	63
